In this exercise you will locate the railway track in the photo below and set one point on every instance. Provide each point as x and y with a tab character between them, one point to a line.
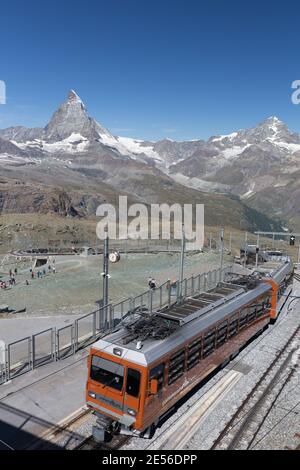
63	435
244	426
116	443
68	436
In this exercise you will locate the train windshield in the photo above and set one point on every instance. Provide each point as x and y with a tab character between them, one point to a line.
107	373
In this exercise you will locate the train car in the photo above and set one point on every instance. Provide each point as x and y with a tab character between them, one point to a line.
137	374
279	274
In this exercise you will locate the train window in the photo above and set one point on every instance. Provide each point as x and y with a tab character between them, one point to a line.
133	382
158	373
251	313
221	333
233	325
243	319
209	342
260	309
107	373
176	366
194	353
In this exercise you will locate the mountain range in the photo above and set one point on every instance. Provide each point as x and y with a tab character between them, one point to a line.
248	179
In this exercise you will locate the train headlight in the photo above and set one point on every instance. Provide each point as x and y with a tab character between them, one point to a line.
131	412
92	394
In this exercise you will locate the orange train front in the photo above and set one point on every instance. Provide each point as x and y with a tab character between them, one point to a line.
137	374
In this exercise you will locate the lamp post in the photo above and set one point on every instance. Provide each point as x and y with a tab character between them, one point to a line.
245	249
181	264
257	251
105	277
230	241
222	252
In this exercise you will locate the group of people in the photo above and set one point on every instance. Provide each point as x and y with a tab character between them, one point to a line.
13	273
41	272
11	281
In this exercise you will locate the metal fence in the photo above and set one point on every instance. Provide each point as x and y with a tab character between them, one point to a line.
55	344
65	341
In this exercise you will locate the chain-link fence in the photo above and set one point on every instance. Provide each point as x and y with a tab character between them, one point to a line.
55	344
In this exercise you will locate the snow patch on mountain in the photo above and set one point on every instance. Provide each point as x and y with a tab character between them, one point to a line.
137	147
222	137
233	152
289	146
249	192
73	144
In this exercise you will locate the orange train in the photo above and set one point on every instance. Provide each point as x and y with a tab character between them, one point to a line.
137	374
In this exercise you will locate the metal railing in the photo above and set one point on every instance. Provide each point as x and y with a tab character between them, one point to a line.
55	344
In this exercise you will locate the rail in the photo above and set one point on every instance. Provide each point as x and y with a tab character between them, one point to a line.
243	427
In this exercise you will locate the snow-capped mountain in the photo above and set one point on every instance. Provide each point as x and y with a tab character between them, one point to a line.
70	130
261	165
253	152
247	163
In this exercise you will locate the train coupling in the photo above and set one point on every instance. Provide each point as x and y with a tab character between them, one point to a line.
104	428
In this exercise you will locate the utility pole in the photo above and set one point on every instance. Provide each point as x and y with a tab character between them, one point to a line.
245	249
105	276
181	263
230	241
257	251
222	252
298	262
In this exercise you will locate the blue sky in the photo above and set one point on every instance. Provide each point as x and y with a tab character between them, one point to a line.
152	69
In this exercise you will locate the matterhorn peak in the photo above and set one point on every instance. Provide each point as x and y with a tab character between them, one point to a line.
74	98
273	118
72	118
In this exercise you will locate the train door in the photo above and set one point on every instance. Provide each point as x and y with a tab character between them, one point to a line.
154	401
132	391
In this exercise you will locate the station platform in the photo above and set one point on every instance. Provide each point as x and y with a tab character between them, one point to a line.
34	404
